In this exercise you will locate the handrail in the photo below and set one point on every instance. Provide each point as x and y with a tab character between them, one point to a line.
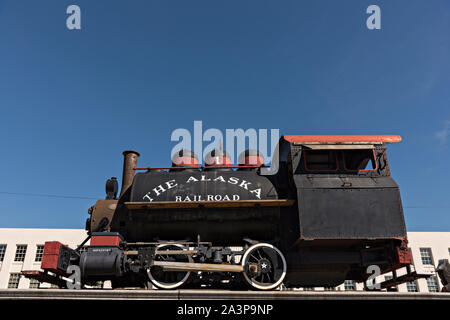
201	167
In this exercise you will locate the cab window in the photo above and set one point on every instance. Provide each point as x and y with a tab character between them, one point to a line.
320	160
359	160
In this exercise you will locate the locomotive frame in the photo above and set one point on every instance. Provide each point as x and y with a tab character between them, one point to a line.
316	218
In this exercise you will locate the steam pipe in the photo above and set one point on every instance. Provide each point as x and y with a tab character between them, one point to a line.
129	165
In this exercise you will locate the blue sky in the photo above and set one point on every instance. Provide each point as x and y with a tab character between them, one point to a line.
72	101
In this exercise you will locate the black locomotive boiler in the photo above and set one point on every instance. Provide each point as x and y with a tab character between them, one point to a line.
325	211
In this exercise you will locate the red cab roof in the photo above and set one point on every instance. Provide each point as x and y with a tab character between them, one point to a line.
342	138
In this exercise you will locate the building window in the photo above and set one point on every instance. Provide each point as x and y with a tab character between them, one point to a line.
427	258
329	288
349	285
13	282
412	286
2	251
34	284
432	284
39	253
393	288
308	288
20	252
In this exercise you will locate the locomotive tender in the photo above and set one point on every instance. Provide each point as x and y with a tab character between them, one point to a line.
325	211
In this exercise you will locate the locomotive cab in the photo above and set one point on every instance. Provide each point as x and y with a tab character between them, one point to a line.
346	191
349	213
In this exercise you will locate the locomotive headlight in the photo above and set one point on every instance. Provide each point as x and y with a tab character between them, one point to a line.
112	187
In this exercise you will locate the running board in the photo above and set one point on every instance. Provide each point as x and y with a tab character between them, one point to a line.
208	204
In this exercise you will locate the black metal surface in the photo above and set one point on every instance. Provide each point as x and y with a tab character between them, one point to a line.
348	204
66	256
349	213
101	262
443	270
194	185
223	226
111	188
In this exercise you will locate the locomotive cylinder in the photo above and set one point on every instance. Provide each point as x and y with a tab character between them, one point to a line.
101	261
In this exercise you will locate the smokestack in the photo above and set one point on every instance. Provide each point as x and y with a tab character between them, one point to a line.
129	163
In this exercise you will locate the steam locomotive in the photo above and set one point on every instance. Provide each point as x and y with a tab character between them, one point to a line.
324	211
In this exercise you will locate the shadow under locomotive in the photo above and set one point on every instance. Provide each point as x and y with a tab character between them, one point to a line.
327	212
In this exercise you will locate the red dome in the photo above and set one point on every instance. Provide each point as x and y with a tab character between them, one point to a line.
251	157
218	158
185	158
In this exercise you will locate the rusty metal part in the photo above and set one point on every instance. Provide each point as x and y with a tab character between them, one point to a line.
102	209
129	165
209	204
322	139
404	278
42	276
164	252
137	244
185	266
131	253
176	252
253	268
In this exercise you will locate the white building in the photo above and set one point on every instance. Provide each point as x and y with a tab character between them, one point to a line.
22	249
427	249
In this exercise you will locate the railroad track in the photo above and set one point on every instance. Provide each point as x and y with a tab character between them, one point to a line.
105	294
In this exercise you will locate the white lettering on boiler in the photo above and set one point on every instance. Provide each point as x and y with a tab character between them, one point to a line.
209	197
158	190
